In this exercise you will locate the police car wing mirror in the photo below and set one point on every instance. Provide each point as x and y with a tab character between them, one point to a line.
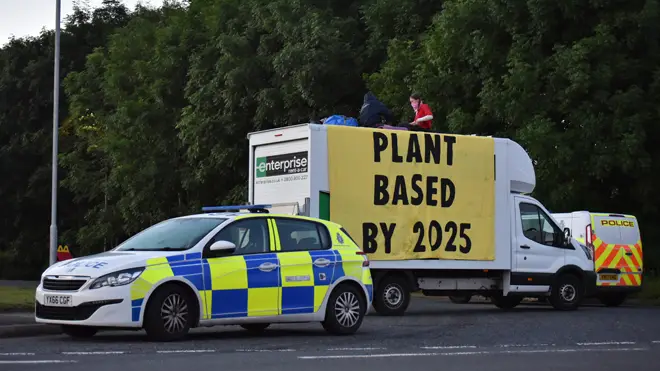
224	246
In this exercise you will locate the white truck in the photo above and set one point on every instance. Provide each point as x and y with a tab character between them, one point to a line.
442	213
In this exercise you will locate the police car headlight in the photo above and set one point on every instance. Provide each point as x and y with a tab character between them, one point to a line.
119	278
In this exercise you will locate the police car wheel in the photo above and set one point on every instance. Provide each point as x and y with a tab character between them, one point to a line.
345	310
566	292
169	314
255	327
79	332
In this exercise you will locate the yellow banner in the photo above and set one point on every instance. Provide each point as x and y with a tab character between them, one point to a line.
413	195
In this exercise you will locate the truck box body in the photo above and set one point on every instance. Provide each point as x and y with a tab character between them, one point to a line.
291	164
446	214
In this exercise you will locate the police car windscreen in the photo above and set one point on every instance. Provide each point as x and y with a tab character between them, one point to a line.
616	229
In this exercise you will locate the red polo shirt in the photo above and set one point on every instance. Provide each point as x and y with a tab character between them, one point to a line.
424	110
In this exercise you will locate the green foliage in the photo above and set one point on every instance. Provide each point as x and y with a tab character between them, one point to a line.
158	102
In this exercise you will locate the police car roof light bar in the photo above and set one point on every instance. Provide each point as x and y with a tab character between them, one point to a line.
236	208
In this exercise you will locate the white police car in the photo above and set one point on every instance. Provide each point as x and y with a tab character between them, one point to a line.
217	268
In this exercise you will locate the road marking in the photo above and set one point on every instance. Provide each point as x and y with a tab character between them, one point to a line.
37	361
524	345
91	353
186	351
335	349
16	354
655	342
265	350
608	343
468	353
452	347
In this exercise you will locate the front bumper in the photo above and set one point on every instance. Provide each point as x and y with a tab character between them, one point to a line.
104	307
590	279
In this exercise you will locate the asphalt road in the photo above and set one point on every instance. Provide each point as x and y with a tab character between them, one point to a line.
434	335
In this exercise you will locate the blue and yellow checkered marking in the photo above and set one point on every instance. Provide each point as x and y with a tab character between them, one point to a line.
235	286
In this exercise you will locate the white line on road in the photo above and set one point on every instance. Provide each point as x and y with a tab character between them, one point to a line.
452	347
38	361
186	351
655	342
16	354
91	353
265	350
524	345
336	349
608	343
484	352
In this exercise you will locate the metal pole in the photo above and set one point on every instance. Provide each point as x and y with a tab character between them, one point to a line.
56	111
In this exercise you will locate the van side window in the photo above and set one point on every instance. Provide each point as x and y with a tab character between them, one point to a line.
538	227
302	235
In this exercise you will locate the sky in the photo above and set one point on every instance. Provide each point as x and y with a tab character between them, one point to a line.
27	17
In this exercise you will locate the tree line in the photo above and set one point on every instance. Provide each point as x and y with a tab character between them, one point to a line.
156	102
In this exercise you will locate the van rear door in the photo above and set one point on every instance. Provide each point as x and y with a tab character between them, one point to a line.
618	249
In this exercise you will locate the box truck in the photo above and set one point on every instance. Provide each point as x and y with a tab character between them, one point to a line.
439	213
616	245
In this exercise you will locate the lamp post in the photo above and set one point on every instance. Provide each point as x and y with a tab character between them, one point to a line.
56	110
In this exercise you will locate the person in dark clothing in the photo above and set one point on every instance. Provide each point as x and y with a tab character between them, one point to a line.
373	112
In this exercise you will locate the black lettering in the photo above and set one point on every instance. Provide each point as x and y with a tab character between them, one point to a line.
381	196
419	198
396	157
414	152
468	242
435	243
447	193
451	226
432	148
388	231
418	228
400	193
380	144
431	190
450	140
369	233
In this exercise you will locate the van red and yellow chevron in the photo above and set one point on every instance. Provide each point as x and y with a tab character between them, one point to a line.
615	256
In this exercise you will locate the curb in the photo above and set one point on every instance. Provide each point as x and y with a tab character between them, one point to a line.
14	331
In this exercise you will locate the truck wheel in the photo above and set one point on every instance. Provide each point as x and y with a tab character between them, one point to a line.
345	310
460	299
506	302
566	293
612	300
169	314
79	332
392	296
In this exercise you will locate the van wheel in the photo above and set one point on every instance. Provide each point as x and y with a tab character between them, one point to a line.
392	296
506	302
460	299
169	314
567	292
79	332
612	300
255	328
345	310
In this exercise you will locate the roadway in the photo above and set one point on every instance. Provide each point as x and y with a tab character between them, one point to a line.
434	335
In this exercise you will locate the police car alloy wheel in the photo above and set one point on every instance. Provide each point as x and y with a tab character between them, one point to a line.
169	314
345	310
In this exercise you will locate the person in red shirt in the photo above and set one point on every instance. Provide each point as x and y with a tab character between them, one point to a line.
423	116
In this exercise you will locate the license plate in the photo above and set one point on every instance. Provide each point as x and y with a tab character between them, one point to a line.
608	277
58	300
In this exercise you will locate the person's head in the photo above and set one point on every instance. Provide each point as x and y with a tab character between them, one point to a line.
415	100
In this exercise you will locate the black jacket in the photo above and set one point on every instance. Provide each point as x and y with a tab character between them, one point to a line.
373	112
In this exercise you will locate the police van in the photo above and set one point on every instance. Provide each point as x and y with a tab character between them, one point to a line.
616	244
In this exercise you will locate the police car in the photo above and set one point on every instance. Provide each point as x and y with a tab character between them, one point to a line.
226	266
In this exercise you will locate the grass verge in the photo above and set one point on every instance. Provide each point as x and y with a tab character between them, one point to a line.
14	299
650	291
